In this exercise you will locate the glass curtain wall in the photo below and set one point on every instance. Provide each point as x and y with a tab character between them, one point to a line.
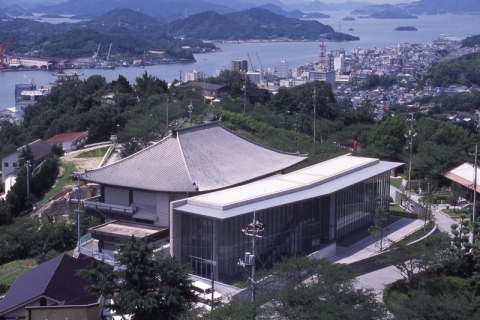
216	246
290	229
355	205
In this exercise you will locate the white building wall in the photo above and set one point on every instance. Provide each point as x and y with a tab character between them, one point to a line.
163	207
338	63
148	198
8	164
117	196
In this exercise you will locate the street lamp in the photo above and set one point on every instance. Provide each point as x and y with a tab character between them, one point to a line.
190	110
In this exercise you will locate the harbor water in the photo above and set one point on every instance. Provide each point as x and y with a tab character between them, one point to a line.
372	32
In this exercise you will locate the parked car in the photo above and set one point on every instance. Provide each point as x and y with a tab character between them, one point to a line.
203	292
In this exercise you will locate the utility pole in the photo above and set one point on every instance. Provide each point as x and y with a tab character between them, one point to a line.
314	114
254	230
410	135
180	76
474	215
78	212
245	94
166	125
204	91
28	177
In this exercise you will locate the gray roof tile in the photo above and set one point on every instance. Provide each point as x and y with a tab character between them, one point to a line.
200	158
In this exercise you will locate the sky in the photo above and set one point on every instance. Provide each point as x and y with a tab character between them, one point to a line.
284	1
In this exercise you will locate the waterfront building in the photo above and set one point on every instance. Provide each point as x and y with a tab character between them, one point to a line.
339	63
318	75
194	75
283	69
240	65
255	77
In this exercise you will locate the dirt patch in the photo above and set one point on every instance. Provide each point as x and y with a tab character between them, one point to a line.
83	164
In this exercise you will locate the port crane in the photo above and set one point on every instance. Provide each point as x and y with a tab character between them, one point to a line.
3	50
95	53
261	66
108	56
251	63
30	80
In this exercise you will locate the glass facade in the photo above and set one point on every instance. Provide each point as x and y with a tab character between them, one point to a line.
216	246
355	205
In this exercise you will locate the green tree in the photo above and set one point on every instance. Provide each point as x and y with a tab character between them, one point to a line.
147	286
304	288
378	231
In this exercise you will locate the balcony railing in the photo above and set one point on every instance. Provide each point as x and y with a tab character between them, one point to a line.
109	208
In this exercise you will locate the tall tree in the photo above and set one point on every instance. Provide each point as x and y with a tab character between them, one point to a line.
146	286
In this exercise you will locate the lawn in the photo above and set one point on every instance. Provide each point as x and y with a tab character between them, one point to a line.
417	235
395	208
396	182
63	181
457	212
95	153
10	271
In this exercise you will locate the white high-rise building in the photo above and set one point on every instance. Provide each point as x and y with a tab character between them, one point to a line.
339	63
193	76
283	69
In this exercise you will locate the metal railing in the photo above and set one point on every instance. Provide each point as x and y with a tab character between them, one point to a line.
95	254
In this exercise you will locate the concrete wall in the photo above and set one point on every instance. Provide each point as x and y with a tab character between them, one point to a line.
90	312
20	311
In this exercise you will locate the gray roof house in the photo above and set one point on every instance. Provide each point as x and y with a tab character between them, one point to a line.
52	288
193	160
40	150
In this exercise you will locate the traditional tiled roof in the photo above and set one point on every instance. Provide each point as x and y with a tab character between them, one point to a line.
195	159
65	137
55	279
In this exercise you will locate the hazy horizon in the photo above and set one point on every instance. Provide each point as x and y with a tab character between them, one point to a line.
287	2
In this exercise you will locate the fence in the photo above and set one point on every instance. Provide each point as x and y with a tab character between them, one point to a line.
95	254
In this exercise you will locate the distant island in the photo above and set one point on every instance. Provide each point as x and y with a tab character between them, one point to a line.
348	19
405	29
315	15
390	14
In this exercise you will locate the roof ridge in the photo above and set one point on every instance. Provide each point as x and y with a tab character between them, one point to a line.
297	154
130	156
203	126
185	164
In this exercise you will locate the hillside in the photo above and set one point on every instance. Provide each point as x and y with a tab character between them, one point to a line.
163	8
130	32
254	23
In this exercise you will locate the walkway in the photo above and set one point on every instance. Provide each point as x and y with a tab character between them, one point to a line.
366	247
378	279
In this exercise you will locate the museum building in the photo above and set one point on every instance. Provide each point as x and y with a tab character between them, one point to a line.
302	212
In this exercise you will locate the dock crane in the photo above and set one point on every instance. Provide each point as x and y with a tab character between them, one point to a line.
3	50
95	53
261	66
109	49
31	80
251	63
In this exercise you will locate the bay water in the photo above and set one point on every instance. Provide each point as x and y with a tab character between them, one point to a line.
372	32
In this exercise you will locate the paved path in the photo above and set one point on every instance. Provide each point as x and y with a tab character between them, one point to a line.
378	279
366	248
